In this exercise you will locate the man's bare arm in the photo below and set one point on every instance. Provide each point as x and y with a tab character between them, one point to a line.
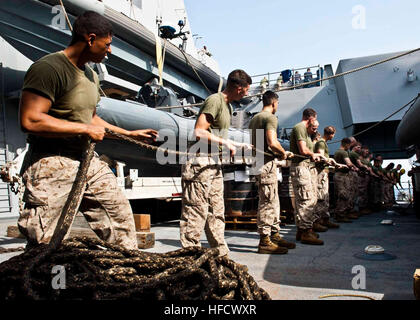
274	144
145	134
34	118
201	132
304	151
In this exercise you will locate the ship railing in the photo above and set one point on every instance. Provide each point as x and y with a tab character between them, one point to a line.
273	77
284	133
404	194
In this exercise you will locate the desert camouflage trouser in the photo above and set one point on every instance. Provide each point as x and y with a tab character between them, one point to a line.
363	191
268	215
377	191
354	189
323	204
48	180
389	193
304	178
343	193
203	205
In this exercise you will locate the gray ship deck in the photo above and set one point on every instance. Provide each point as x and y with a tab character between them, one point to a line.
308	272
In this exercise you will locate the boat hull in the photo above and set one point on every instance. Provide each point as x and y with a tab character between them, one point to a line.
408	131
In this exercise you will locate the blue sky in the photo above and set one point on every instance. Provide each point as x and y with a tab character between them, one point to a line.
273	35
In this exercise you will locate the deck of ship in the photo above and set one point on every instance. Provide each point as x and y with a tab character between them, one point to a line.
308	272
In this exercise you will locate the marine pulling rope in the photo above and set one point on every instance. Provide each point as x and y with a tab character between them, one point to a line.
181	153
102	270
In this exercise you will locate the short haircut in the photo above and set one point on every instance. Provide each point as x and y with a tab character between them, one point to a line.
357	144
308	113
365	147
329	130
238	78
345	142
390	166
269	97
90	22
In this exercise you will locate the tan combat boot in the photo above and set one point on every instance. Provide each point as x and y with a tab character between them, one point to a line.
318	227
300	231
365	211
331	225
309	238
266	246
352	216
342	219
278	240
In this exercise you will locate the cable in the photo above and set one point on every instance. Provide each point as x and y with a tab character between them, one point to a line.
195	71
378	123
334	76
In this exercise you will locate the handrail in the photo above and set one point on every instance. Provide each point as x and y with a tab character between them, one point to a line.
277	72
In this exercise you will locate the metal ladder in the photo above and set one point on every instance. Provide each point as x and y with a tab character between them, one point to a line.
5	202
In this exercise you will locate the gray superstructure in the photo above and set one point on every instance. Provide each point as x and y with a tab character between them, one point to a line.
356	101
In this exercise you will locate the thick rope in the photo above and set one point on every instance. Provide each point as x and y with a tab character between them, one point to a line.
181	153
8	250
97	270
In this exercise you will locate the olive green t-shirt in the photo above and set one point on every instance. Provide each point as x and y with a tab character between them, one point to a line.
378	169
354	156
74	94
263	121
365	162
299	133
340	155
221	112
394	172
322	145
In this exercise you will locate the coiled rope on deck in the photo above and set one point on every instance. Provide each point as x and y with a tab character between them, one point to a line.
96	270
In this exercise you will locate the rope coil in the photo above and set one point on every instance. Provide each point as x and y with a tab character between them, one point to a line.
97	270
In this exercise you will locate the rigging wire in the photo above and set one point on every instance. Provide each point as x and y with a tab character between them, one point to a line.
412	102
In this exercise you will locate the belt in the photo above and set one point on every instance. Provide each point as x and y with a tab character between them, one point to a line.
309	165
342	171
55	150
